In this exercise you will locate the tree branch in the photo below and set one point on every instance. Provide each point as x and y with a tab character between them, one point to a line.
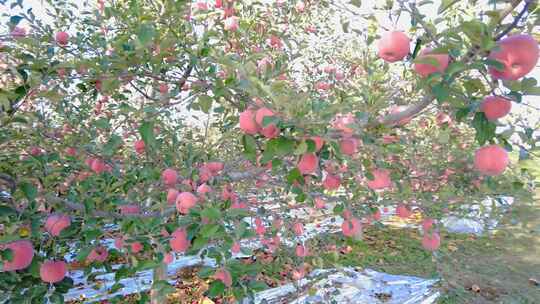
516	20
411	111
142	92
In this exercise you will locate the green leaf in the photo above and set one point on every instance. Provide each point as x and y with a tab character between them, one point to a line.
7	211
301	148
284	146
446	4
295	175
426	60
485	130
102	123
29	190
199	243
14	20
6	254
146	34
494	64
257	285
211	213
205	103
146	129
475	30
250	147
112	145
209	230
416	48
441	92
357	3
216	289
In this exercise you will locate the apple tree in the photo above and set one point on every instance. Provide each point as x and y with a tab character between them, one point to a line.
201	128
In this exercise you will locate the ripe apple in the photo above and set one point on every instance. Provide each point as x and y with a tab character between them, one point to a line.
62	38
431	241
518	54
426	69
351	227
495	107
179	241
185	201
248	123
169	176
308	163
393	46
22	252
381	179
56	223
491	160
52	271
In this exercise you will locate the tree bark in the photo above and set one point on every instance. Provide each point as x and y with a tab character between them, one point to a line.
160	274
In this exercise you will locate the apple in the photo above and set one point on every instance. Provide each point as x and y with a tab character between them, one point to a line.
185	201
348	146
169	176
224	276
331	182
298	228
426	69
98	254
308	163
495	107
248	123
431	241
393	46
52	271
136	247
22	255
62	38
179	241
518	54
381	179
351	227
491	160
403	212
56	223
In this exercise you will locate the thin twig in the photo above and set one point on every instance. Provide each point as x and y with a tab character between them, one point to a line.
516	20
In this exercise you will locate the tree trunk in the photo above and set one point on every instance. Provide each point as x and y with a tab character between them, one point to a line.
160	274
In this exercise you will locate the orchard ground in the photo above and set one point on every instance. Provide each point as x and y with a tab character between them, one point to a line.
499	268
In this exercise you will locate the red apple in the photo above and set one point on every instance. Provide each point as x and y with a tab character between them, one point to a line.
185	201
139	146
348	146
491	160
22	253
98	254
393	46
431	242
331	182
172	194
381	179
351	227
495	107
247	122
179	241
62	38
56	223
426	69
224	276
308	163
52	271
518	54
169	176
